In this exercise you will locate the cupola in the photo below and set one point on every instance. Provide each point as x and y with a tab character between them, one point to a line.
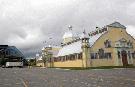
69	35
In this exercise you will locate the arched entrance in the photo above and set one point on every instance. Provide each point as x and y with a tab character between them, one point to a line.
124	58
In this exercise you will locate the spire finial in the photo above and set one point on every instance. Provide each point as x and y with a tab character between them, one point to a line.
84	32
70	27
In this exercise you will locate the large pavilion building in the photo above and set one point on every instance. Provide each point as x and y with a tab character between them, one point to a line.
10	54
107	46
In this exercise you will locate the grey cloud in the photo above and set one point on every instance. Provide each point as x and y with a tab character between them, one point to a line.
28	23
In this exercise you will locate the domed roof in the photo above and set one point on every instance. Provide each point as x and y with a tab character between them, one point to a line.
43	48
69	33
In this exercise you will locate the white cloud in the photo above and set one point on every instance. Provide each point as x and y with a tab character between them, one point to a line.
131	30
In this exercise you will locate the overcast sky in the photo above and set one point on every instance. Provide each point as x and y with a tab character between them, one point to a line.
26	24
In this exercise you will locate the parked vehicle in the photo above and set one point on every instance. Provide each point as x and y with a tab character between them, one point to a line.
14	64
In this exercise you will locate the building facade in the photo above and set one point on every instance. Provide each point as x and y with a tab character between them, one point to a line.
10	54
107	46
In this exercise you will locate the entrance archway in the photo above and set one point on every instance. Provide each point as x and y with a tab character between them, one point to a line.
124	58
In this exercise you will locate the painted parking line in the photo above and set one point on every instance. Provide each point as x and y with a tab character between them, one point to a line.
24	83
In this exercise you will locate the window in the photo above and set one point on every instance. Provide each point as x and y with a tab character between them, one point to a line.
129	56
107	43
49	60
107	55
101	53
94	55
63	58
7	52
72	57
133	55
100	31
129	43
59	59
105	28
55	59
66	57
117	45
118	54
80	56
96	32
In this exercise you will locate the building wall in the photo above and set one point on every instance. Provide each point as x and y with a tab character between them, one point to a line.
74	63
40	64
134	62
113	34
101	62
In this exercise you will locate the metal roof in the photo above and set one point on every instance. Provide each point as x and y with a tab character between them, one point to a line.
71	49
117	25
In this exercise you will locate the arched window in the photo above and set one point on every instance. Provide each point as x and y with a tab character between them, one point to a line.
101	53
118	54
107	43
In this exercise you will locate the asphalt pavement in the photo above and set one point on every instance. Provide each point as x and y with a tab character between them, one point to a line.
50	77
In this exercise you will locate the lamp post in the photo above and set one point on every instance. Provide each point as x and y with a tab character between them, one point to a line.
43	57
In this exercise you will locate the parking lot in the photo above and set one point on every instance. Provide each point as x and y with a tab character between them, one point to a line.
40	77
